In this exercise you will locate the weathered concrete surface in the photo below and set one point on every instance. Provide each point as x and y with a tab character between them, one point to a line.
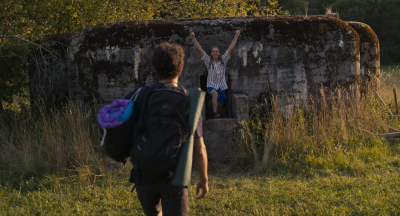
240	107
370	60
284	55
219	138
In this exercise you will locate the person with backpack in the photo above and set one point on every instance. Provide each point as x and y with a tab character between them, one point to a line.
162	126
216	66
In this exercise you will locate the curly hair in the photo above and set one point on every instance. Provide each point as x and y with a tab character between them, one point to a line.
167	60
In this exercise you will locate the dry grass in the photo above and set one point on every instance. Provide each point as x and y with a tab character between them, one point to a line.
329	125
53	141
328	8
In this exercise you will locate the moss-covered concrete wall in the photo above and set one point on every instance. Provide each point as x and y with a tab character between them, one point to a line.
286	55
369	55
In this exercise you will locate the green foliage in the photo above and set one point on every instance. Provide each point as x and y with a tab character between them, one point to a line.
39	18
12	70
295	7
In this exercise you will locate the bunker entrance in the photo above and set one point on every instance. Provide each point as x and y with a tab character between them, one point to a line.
227	108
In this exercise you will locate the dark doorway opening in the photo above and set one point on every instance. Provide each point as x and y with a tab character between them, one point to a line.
227	108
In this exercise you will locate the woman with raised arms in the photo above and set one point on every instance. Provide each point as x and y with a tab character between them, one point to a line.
216	65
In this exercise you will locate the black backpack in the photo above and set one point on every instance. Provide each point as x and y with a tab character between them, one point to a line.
160	133
118	140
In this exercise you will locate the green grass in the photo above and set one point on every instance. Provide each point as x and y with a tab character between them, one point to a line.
361	182
375	191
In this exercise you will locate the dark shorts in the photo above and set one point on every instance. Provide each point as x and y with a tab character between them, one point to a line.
170	199
221	94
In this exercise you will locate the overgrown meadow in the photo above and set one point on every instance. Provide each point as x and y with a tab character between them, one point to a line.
319	159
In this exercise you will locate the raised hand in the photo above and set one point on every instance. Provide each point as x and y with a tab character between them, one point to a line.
237	33
233	44
196	44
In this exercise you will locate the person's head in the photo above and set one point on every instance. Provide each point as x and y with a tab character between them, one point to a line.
167	60
215	54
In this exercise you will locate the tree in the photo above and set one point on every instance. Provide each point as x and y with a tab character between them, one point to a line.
12	72
294	7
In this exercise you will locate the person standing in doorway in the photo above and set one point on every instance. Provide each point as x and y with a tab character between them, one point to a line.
216	66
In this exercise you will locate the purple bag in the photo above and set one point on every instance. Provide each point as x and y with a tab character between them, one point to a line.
116	120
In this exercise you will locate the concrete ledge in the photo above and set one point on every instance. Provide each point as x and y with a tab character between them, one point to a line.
219	138
240	107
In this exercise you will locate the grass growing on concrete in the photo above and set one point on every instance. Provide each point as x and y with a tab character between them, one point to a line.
315	162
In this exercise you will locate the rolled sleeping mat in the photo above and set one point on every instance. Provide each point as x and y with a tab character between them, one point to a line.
183	169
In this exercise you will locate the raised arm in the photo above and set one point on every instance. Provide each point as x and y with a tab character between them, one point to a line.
196	44
233	44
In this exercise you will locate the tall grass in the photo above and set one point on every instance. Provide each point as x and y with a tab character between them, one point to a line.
324	136
54	140
329	128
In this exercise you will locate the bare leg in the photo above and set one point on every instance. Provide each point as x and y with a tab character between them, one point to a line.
220	105
214	95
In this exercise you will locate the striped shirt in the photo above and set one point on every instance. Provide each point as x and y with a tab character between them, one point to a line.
216	71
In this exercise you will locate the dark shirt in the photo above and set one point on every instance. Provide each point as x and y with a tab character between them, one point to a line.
137	110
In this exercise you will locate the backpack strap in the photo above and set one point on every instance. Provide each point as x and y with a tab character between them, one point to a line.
184	90
104	136
143	115
135	95
134	186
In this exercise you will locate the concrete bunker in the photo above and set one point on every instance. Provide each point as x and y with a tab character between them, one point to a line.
369	55
288	56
